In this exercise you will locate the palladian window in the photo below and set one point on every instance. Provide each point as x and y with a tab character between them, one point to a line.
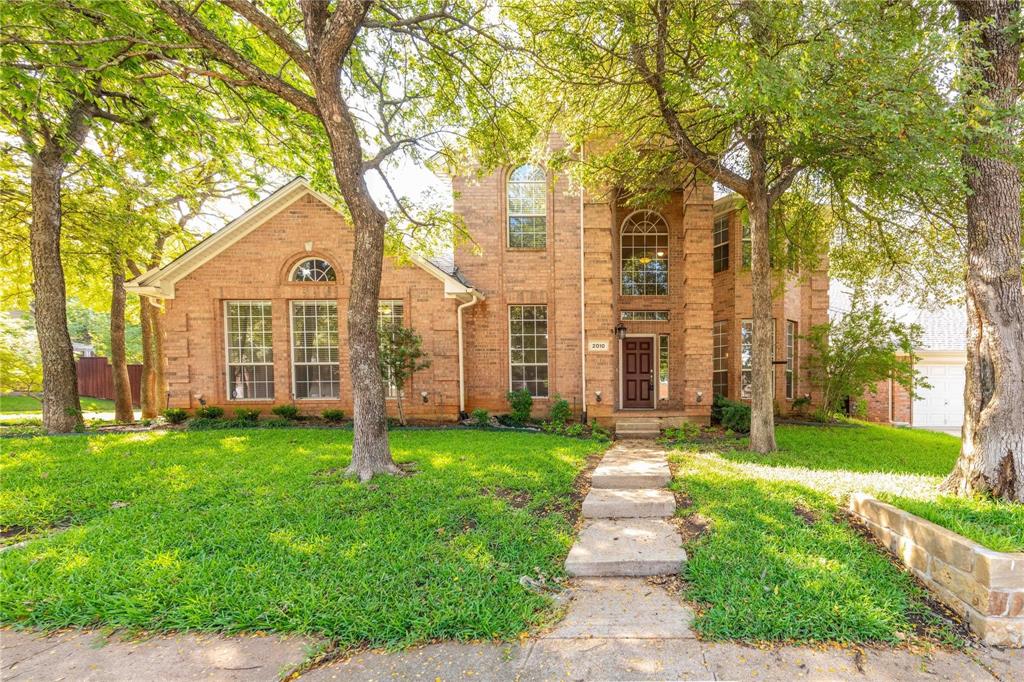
527	208
644	255
313	270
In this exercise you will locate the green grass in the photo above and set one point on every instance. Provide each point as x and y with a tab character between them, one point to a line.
767	572
996	525
10	404
257	530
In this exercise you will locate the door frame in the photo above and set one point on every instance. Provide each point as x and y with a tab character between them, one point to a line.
654	363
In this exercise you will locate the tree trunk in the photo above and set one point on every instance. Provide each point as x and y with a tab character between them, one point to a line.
159	359
992	451
62	410
762	404
371	453
148	391
119	363
401	408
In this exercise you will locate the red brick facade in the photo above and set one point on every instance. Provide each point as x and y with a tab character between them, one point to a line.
583	295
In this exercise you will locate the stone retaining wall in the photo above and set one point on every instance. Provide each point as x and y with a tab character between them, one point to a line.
983	586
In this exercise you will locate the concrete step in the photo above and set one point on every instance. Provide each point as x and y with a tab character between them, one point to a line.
611	503
631	472
626	547
636	434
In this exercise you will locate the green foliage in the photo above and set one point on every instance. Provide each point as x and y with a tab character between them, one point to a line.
801	404
286	411
851	355
996	524
333	415
209	412
251	503
599	433
175	415
243	414
560	411
686	431
521	403
401	356
736	417
481	417
21	368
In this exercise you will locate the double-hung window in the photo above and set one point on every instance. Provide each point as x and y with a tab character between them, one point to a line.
250	350
719	358
315	370
747	358
528	349
527	208
790	359
720	240
390	314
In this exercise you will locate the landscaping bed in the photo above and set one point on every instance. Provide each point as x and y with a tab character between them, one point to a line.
259	530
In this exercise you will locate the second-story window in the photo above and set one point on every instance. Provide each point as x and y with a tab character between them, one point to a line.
644	254
720	240
527	208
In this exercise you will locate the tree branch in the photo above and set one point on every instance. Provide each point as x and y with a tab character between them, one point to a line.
271	29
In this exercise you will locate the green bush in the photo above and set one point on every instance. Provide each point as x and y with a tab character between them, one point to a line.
277	423
599	433
521	403
736	417
684	432
286	411
334	416
244	414
210	412
481	417
175	415
574	430
208	423
560	410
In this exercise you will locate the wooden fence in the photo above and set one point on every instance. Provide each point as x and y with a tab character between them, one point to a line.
96	379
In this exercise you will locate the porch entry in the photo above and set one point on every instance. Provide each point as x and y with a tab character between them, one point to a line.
637	375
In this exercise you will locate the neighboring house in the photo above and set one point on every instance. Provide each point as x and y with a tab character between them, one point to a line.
943	361
647	319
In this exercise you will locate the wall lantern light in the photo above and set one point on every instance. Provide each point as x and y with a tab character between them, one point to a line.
700	396
620	331
597	395
423	395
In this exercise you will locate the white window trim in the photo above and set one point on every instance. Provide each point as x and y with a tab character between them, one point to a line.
751	370
668	253
528	364
509	215
291	337
714	229
791	364
227	353
390	392
291	273
724	325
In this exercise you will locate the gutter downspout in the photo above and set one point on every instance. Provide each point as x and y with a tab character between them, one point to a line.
462	371
583	311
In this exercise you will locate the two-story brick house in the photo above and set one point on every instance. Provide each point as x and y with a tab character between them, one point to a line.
625	313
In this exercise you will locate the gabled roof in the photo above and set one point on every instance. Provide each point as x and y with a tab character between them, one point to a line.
159	282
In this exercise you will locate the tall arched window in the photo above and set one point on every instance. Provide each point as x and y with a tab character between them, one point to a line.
313	270
527	208
644	254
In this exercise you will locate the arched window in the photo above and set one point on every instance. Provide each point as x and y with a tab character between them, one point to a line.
313	270
527	208
644	254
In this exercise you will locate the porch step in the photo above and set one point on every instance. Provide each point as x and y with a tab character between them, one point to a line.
612	503
631	471
637	427
626	547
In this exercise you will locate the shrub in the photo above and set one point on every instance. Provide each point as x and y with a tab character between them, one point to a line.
801	403
560	410
207	423
277	423
175	415
247	415
286	411
210	412
333	416
683	432
521	403
481	417
736	417
574	430
599	433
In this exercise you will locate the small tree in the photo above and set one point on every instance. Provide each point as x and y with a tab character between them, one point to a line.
851	355
401	356
21	368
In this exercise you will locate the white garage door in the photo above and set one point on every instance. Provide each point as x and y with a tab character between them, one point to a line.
942	405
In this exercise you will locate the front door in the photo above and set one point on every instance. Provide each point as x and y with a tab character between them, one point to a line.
638	372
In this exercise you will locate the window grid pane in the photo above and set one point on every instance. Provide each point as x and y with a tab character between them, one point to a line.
644	315
720	239
746	357
314	270
250	350
790	359
528	349
719	359
315	349
390	313
527	208
663	367
644	255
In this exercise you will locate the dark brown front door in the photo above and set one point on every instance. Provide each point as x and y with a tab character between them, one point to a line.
637	373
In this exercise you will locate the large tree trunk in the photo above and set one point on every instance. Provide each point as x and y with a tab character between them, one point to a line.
62	410
159	359
148	391
118	359
371	453
762	404
992	452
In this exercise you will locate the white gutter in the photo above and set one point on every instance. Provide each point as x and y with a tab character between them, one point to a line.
583	309
462	363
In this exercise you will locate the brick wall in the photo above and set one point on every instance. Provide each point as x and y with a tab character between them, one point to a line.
257	268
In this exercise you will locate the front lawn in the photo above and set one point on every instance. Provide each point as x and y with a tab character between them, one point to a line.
781	562
257	530
11	404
